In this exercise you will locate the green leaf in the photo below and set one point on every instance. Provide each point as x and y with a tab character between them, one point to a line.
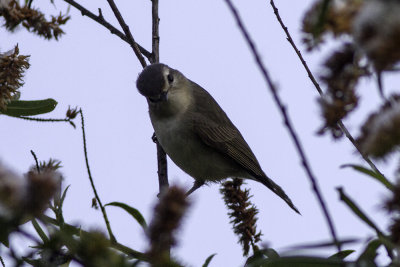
299	261
377	176
208	260
271	253
64	194
353	206
4	240
132	211
17	108
350	203
324	244
66	264
40	231
341	254
369	253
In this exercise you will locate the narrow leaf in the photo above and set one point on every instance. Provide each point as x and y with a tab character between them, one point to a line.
18	108
132	211
350	203
369	253
380	178
325	244
208	260
341	254
66	264
40	231
271	253
64	194
301	262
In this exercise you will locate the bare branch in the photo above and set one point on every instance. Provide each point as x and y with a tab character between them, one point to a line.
155	35
103	210
127	32
100	19
317	86
287	121
161	155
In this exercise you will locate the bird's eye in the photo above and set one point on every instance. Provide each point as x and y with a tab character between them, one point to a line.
170	78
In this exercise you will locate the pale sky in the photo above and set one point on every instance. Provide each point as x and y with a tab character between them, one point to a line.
94	70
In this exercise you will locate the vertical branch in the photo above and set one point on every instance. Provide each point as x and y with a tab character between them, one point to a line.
103	210
318	87
155	34
161	156
287	121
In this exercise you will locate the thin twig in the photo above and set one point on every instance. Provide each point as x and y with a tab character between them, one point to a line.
290	40
36	161
127	32
365	157
287	121
42	119
318	87
100	19
155	32
103	210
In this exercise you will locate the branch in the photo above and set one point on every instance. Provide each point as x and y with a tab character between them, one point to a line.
127	32
162	165
100	19
103	210
155	33
317	86
286	119
36	161
161	156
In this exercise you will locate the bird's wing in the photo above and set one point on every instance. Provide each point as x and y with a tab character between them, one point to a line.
215	129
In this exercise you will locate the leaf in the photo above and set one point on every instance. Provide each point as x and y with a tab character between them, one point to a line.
17	108
341	254
377	176
325	244
350	203
301	262
40	231
132	211
66	264
208	260
4	240
271	253
64	194
369	253
58	206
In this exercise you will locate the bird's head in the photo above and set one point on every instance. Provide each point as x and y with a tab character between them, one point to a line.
166	89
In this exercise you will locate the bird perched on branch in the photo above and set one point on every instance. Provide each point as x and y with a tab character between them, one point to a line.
196	133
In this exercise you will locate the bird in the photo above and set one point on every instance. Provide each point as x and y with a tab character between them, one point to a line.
196	133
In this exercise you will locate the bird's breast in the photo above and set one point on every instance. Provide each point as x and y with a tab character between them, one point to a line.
186	149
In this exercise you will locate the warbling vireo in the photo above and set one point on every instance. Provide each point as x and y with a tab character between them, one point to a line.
196	133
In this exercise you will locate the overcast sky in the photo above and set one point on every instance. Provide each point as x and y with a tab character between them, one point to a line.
94	70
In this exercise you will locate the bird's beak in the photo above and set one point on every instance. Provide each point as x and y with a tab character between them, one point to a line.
160	98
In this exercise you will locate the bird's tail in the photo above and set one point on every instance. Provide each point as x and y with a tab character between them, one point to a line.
277	190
